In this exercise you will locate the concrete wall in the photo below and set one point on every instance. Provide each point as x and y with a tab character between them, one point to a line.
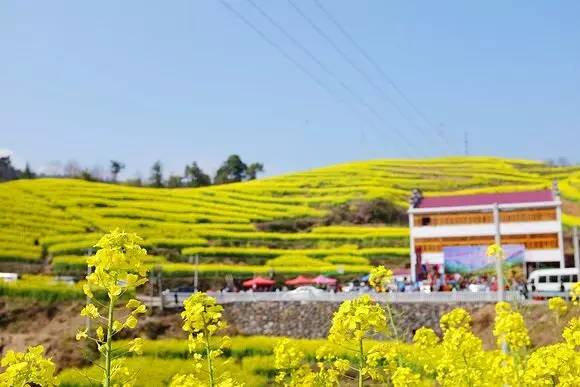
310	319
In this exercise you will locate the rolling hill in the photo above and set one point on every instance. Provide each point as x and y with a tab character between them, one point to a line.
50	224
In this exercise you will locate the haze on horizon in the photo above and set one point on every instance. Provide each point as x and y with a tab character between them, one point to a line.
182	82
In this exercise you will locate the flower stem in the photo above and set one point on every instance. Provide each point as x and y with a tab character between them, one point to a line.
208	353
361	363
392	321
108	347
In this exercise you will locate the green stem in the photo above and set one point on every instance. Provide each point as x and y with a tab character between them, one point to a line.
361	363
393	327
109	344
208	354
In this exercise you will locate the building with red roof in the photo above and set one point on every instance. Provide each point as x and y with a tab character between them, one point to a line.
529	218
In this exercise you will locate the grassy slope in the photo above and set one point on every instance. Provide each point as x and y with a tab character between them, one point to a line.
65	217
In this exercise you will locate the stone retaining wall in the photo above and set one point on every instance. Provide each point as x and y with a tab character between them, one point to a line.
310	319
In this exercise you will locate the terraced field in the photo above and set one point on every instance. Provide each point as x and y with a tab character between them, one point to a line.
52	223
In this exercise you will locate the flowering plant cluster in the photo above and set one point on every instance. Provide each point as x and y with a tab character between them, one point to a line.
30	368
453	358
380	278
510	328
202	319
559	306
118	269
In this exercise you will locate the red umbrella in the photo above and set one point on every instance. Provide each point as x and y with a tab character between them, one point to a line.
300	280
322	280
258	281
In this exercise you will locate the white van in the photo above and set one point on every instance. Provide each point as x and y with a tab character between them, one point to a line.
552	280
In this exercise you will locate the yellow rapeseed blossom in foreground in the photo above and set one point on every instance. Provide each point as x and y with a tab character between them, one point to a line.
553	365
572	333
510	328
458	318
559	306
356	319
405	377
117	268
425	338
27	369
119	258
202	319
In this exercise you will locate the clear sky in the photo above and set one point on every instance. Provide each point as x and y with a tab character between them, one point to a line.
181	81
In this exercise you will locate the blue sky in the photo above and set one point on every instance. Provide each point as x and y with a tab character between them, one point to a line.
181	81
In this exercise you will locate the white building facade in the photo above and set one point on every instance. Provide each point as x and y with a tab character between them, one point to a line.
530	218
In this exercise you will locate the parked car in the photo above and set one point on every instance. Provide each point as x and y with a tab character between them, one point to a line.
306	290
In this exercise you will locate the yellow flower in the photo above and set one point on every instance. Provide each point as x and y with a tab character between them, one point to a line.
100	334
87	291
558	305
27	369
457	318
136	346
572	333
131	322
356	319
287	357
462	361
90	311
202	315
380	278
118	261
575	293
82	334
510	328
405	377
553	365
495	251
425	338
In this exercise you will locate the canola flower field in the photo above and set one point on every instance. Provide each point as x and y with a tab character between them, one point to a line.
56	221
363	346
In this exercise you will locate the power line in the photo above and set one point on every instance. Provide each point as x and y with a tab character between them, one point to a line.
378	68
281	51
353	64
325	68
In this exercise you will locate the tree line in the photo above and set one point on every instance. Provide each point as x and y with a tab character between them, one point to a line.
232	170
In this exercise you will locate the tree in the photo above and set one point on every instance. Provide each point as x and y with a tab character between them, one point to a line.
231	171
253	170
156	178
195	176
72	169
28	174
174	181
116	167
7	171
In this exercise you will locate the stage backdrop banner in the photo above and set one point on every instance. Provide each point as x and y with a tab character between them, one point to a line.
474	259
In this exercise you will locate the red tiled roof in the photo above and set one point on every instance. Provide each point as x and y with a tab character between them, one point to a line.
484	199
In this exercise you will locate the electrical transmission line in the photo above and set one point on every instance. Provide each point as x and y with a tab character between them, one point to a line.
327	70
379	90
378	68
288	57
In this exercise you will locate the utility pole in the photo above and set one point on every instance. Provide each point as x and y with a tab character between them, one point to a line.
499	259
576	249
466	142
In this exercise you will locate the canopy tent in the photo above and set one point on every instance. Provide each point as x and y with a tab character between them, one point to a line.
300	280
322	280
258	281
